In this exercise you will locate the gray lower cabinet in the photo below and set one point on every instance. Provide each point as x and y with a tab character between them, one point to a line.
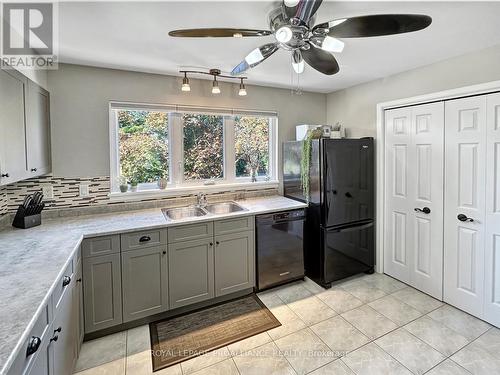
42	364
191	272
64	340
144	282
78	306
234	262
102	292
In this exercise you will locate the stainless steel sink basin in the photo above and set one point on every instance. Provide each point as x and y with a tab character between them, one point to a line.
223	208
183	212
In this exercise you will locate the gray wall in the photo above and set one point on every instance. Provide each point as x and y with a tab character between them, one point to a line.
80	117
355	107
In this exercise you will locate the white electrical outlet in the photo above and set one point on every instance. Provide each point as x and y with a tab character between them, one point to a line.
84	190
48	192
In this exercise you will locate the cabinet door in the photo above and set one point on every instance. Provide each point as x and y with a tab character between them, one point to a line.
190	272
414	196
464	242
492	248
234	262
78	306
12	129
144	282
37	130
65	331
102	292
42	364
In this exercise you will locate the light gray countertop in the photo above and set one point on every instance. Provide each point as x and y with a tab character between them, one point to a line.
31	260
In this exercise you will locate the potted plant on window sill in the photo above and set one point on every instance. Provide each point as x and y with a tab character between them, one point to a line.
122	181
133	184
162	182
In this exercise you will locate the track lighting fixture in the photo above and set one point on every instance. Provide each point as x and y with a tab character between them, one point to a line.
185	83
243	90
215	84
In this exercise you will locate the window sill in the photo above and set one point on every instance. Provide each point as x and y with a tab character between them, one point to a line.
184	190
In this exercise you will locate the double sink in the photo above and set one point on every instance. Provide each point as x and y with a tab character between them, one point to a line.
221	208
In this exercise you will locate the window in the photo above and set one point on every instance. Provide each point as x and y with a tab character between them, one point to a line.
203	147
251	136
190	148
143	141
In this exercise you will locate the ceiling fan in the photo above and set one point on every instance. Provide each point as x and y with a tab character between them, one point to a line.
292	25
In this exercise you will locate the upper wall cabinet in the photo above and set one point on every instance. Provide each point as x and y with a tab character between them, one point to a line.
12	127
24	128
37	130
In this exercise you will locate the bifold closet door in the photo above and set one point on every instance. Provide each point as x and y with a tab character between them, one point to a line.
492	243
464	244
414	196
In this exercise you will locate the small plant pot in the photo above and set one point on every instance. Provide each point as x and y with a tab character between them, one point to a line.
133	188
162	183
123	188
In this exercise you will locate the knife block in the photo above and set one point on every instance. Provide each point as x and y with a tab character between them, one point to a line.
23	221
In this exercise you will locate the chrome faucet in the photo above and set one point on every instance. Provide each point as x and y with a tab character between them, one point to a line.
201	199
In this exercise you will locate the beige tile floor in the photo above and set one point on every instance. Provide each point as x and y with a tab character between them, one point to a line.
370	324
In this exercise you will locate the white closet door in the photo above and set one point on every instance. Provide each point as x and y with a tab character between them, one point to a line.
397	252
426	165
492	245
414	196
465	166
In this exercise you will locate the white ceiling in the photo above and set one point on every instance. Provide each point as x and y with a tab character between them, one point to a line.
133	36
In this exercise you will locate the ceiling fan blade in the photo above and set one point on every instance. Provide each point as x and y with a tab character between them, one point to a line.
255	57
320	60
375	25
218	33
301	9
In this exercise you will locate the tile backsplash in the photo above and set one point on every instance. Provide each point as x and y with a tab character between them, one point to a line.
67	200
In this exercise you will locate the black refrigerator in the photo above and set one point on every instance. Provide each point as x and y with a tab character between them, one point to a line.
339	231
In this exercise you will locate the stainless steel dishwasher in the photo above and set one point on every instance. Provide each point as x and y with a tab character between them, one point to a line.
280	248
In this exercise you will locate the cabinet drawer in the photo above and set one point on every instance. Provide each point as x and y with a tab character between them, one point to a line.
139	240
63	284
190	232
100	246
233	225
41	332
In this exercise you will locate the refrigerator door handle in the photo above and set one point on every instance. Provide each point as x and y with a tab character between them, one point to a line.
350	228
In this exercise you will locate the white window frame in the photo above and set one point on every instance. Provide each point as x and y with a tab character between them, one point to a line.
176	184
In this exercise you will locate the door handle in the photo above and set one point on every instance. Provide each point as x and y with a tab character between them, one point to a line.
463	217
425	210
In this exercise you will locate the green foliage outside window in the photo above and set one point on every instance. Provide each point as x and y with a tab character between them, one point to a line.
252	146
143	145
203	146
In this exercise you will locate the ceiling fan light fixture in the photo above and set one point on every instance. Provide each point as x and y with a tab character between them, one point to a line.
215	86
185	84
254	57
284	34
243	90
291	3
328	43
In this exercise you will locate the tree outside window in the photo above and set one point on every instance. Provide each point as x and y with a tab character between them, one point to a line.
203	146
143	145
252	146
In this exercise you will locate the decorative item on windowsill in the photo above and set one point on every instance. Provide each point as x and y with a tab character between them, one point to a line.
162	183
337	131
123	184
29	214
133	185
